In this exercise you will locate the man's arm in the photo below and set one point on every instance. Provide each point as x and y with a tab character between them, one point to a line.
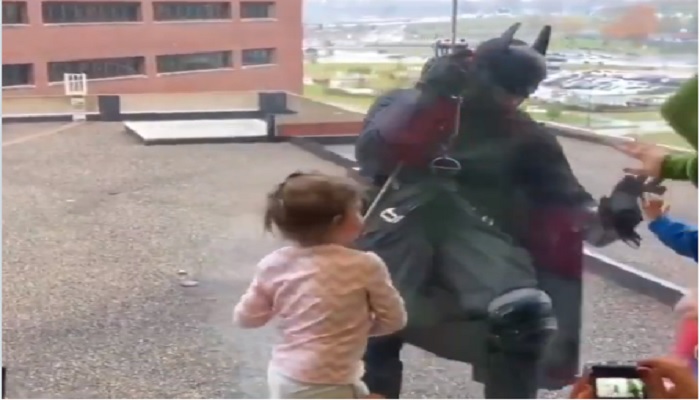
414	124
546	174
408	126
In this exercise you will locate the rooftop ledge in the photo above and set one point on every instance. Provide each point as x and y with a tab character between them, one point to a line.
304	116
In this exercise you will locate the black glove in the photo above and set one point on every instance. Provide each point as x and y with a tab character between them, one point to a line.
447	75
621	212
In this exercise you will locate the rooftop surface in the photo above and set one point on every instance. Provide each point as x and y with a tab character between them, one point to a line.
305	110
96	226
154	131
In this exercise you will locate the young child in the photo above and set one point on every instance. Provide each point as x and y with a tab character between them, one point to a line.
680	237
683	239
327	297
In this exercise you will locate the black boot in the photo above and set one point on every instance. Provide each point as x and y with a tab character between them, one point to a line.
522	324
511	377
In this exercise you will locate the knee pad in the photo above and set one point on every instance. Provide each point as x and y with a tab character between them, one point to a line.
521	321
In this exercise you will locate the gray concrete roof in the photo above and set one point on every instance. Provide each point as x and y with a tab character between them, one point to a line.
95	227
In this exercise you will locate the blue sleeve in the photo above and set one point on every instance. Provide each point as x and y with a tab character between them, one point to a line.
680	237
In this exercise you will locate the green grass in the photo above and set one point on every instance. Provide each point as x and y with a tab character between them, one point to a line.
667	138
326	71
608	46
575	118
640	116
567	118
379	78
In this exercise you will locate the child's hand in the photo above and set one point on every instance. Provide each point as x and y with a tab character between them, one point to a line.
654	207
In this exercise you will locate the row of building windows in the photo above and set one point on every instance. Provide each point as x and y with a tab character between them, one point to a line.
74	12
23	74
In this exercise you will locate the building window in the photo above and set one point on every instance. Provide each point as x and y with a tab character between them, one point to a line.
14	13
194	61
17	75
257	9
98	69
178	11
258	57
71	12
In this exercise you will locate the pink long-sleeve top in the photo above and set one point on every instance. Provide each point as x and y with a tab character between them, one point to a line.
327	300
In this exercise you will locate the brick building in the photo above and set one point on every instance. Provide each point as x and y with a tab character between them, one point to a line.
132	46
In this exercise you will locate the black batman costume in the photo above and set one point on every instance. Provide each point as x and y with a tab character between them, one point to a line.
482	222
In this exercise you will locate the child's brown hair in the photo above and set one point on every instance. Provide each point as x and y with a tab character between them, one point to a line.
307	205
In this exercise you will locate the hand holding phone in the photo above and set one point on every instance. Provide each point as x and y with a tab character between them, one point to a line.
617	382
669	378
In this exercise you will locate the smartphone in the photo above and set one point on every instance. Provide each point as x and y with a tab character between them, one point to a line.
617	382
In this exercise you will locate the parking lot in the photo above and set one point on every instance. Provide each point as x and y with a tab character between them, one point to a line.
96	226
602	89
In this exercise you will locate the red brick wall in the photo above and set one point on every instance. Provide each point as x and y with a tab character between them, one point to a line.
319	129
38	44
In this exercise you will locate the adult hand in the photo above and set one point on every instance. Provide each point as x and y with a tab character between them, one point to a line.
651	157
582	389
683	384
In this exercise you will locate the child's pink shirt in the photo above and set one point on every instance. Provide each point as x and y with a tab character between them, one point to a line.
328	300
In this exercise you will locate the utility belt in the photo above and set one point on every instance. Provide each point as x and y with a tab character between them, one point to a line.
408	189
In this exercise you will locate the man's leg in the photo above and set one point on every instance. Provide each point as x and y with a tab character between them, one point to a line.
509	377
485	270
521	325
383	366
403	245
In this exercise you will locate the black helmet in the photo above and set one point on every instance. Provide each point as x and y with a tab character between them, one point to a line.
512	64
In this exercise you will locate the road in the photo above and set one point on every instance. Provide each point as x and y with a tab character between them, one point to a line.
95	227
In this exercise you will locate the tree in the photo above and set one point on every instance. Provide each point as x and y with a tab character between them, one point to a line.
635	23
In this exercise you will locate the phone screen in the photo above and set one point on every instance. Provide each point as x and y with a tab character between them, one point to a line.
609	387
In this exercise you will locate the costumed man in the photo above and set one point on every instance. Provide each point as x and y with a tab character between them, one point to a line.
481	221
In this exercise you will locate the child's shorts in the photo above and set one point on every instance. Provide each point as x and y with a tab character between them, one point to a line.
282	387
